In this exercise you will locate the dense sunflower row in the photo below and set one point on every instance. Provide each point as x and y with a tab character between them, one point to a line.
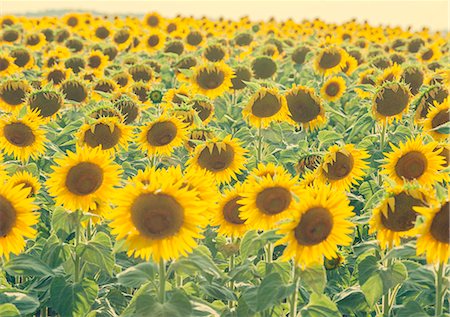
164	130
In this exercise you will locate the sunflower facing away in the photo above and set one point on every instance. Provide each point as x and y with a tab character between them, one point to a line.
223	158
395	217
23	138
438	116
414	160
333	88
434	239
161	136
160	220
212	79
82	177
318	226
267	105
17	218
305	107
343	166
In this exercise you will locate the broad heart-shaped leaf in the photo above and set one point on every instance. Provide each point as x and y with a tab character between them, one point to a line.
314	278
9	310
199	261
411	309
98	252
252	242
63	222
25	303
351	300
137	275
326	137
28	265
393	276
320	306
373	289
217	291
72	299
55	252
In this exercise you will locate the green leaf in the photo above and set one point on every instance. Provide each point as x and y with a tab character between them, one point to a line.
328	137
373	289
27	265
54	253
137	275
351	299
411	309
25	303
9	310
72	299
217	291
394	275
98	252
63	222
319	306
314	278
199	261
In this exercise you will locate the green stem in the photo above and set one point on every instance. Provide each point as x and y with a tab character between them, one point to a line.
293	303
382	140
230	268
77	242
386	297
259	154
440	290
162	281
269	252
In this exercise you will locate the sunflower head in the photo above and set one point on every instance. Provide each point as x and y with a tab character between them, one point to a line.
333	88
264	67
436	93
330	60
391	101
75	90
212	79
438	116
156	96
305	107
299	54
141	72
26	180
413	76
215	53
13	94
266	106
128	107
242	74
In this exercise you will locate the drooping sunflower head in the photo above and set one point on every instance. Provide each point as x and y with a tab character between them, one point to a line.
212	79
305	107
266	105
23	58
319	224
82	177
225	158
414	161
46	103
330	60
75	63
13	94
26	180
299	54
141	72
391	101
198	136
395	217
242	74
75	90
7	66
413	76
55	75
204	109
264	67
161	136
436	93
24	137
437	117
333	88
215	53
128	107
174	46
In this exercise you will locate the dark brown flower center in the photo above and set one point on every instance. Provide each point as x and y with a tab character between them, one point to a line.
104	86
176	47
332	89
330	59
273	200
299	55
404	216
129	110
141	92
203	109
411	165
152	20
266	106
102	136
210	78
340	168
48	103
440	227
7	216
440	118
74	91
314	227
414	78
84	178
10	35
141	73
56	76
264	67
4	64
33	39
12	94
94	61
19	134
392	101
214	53
231	211
102	32
76	64
72	21
153	40
215	160
428	54
241	74
162	133
157	216
194	38
121	36
302	106
21	57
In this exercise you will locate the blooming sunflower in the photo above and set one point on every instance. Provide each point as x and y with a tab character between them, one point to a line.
154	41
330	60
319	224
160	220
414	160
26	180
266	105
161	136
224	158
24	138
108	133
434	233
333	88
13	93
212	79
227	215
391	101
395	217
438	116
305	107
82	177
18	217
343	166
7	66
55	75
269	169
46	103
96	61
268	200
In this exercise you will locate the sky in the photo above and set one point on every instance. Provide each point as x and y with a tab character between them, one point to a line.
417	14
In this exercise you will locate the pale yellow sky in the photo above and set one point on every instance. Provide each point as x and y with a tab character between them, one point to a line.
432	13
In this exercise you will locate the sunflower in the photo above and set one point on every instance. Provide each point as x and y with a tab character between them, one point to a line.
365	78
430	53
26	180
391	102
18	217
13	93
299	54
174	46
212	79
103	86
7	66
264	67
434	232
343	166
392	73
266	105
75	90
55	75
194	39
128	107
160	220
227	215
438	116
204	109
436	93
222	157
35	41
319	224
161	136
82	177
153	20
108	133
10	35
395	217
24	137
196	136
242	74
305	107
123	38
413	76
265	170
154	41
414	160
267	200
333	88
330	60
23	58
96	61
215	53
351	63
177	96
141	73
45	103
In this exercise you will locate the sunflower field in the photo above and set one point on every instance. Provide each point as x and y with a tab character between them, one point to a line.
175	167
